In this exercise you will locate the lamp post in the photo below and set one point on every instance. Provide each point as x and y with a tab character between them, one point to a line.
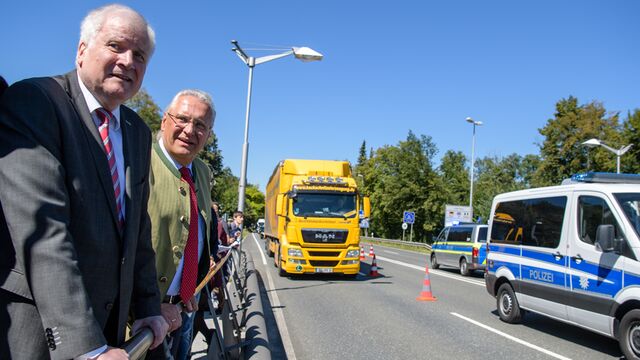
473	148
302	53
619	152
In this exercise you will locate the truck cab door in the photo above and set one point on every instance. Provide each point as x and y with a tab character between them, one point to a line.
595	274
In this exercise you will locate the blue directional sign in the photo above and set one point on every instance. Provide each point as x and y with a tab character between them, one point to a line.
409	217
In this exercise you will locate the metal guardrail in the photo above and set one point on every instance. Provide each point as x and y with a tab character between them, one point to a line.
400	242
240	330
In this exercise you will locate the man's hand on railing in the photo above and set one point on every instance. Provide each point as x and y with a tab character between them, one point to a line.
171	314
113	354
158	325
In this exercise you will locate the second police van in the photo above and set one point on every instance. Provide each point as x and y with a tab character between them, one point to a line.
462	246
570	252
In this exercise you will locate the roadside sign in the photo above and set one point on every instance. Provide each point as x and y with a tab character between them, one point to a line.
361	214
364	223
404	226
409	217
455	214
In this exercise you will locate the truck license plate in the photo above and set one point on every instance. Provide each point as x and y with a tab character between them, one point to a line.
324	270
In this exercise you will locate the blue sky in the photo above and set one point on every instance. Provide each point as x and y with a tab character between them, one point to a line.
389	67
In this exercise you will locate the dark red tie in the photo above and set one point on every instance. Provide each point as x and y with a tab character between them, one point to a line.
190	265
105	115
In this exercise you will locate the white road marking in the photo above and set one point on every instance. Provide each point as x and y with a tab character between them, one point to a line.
434	272
391	252
277	311
529	345
264	259
361	273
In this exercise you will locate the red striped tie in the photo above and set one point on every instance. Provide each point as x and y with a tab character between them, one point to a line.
105	115
190	265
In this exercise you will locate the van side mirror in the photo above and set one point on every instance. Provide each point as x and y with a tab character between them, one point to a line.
280	208
366	206
604	238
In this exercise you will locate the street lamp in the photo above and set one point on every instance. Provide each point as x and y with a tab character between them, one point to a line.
303	53
619	152
473	147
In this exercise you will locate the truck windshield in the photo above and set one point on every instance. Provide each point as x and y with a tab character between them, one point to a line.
630	203
324	205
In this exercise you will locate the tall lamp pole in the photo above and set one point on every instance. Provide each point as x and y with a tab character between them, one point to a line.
473	149
619	152
302	53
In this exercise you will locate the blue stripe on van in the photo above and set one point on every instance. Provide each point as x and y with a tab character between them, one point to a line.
609	280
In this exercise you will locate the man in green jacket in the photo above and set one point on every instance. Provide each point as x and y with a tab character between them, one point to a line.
180	211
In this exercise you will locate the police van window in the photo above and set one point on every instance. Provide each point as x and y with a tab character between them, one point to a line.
461	234
592	212
530	222
443	235
630	204
482	234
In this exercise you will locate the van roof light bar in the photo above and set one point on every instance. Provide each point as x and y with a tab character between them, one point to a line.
606	178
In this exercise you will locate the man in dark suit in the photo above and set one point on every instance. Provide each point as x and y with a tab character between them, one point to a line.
75	245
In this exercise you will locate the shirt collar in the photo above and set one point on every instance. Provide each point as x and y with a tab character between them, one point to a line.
175	163
93	104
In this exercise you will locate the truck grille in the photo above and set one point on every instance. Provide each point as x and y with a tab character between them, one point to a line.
324	253
325	236
323	263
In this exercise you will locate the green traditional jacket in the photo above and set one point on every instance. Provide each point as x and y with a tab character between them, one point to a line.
169	209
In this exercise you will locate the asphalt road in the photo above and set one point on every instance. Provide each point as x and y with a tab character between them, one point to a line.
331	317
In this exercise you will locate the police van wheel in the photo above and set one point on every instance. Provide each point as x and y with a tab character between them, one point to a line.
434	262
630	334
507	305
464	267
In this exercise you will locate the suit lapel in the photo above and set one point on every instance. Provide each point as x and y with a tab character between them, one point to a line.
94	141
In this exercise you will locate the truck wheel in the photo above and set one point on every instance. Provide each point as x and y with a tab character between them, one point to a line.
434	262
464	267
629	334
507	305
281	271
267	247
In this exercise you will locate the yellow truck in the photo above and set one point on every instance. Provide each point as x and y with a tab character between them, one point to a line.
312	216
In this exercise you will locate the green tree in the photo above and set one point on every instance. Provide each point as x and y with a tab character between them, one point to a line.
149	111
630	162
562	152
455	177
402	178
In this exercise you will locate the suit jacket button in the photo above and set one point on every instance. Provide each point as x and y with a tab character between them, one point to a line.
178	254
176	248
48	331
183	219
163	279
182	190
108	306
52	346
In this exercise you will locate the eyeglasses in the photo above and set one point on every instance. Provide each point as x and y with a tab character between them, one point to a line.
182	122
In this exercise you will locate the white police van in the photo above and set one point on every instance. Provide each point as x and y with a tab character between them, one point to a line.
570	252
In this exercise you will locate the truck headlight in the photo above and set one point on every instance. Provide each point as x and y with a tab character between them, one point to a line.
353	253
295	252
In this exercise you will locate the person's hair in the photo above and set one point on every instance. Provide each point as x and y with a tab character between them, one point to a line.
3	85
198	94
93	22
237	213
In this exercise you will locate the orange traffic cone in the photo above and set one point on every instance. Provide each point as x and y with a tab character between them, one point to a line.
374	267
362	258
371	254
425	294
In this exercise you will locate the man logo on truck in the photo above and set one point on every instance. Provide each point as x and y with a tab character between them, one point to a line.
325	236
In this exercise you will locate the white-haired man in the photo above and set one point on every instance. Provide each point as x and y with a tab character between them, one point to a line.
75	237
180	211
